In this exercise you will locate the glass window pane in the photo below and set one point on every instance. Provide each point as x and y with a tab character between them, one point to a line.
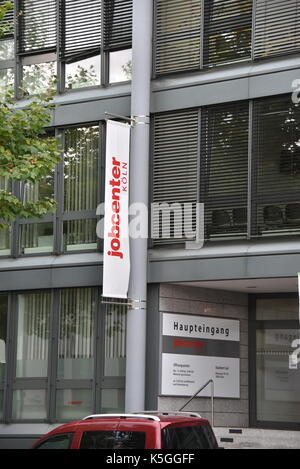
57	442
229	31
113	400
33	335
83	73
73	403
7	78
29	404
278	386
37	78
120	66
80	235
268	309
39	190
76	334
36	238
81	168
7	49
4	241
3	334
115	340
1	403
113	440
277	144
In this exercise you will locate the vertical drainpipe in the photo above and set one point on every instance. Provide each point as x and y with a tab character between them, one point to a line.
139	184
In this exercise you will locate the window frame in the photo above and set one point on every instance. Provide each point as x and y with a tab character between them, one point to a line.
51	384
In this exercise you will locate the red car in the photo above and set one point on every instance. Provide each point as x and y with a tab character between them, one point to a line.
150	430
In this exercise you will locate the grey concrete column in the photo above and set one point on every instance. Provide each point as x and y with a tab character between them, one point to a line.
139	177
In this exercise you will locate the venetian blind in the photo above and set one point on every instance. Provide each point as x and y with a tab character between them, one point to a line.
277	27
175	174
37	26
178	35
224	169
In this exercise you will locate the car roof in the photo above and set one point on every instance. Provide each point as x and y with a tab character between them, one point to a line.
146	418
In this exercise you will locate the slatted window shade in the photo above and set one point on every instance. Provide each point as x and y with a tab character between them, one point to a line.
178	35
7	23
175	174
276	167
227	31
224	169
80	29
37	26
277	27
118	24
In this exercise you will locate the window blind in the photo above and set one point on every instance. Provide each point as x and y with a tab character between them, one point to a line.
224	169
175	174
37	26
6	24
276	167
80	29
118	24
277	27
227	31
178	35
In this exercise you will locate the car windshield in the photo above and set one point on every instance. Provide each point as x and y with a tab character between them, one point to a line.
188	437
113	440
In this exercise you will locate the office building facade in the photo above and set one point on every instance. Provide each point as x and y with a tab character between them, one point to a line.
224	134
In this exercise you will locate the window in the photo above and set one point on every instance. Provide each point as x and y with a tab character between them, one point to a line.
248	176
188	437
178	35
7	72
113	440
228	30
74	44
81	188
276	403
224	170
3	346
56	358
277	28
57	442
276	180
37	45
176	146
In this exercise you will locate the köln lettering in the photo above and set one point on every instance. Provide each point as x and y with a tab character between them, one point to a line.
115	232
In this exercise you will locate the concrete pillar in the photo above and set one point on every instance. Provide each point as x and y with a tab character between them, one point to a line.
139	178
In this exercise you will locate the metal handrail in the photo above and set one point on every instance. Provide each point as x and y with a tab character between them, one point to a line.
210	381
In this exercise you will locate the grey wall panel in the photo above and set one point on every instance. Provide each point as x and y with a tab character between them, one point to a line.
89	111
34	279
224	268
231	89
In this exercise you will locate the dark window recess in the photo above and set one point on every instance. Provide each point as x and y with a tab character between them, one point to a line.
227	31
277	27
224	169
175	176
118	24
276	167
188	437
57	442
178	35
113	440
37	26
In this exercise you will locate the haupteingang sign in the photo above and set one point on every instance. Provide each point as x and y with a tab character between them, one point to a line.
196	349
116	254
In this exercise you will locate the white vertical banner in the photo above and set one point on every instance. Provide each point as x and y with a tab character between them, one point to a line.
116	255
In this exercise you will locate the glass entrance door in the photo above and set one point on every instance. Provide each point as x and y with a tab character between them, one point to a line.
275	383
